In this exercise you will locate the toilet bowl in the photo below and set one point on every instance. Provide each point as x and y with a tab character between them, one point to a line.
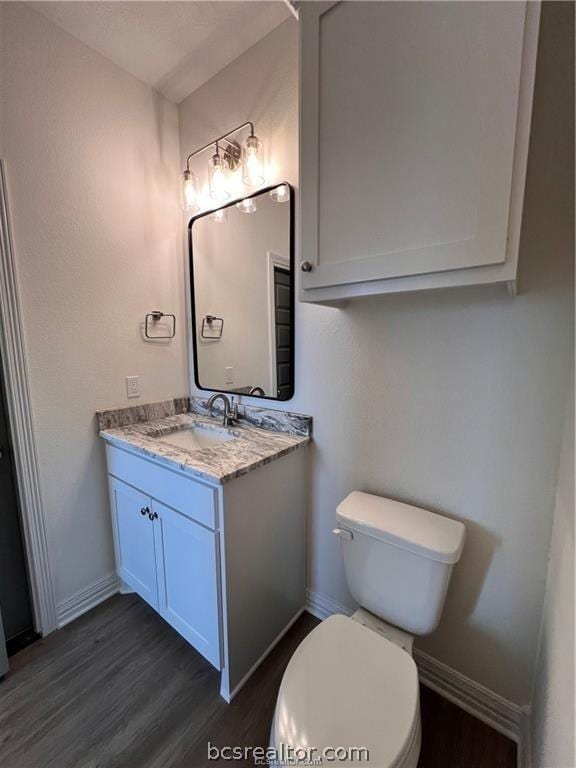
350	692
347	689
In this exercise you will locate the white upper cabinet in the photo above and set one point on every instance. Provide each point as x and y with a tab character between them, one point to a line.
414	123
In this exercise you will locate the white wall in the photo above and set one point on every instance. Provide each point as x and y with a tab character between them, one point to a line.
92	163
553	704
451	400
553	691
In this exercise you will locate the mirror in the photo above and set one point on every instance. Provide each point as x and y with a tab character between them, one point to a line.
242	294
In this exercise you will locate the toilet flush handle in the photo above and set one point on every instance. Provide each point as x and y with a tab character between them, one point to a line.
343	533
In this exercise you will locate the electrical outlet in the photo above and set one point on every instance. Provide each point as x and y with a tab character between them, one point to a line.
132	386
229	371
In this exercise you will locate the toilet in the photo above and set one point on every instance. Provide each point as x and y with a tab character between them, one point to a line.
351	687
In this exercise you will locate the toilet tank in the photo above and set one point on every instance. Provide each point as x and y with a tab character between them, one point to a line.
398	559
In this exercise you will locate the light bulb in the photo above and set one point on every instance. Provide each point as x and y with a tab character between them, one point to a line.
189	192
218	174
220	216
247	205
252	173
280	194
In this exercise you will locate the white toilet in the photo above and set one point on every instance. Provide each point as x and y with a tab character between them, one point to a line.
352	682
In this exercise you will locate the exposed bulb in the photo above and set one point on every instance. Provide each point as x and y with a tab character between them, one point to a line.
280	194
220	216
252	173
218	174
247	205
189	192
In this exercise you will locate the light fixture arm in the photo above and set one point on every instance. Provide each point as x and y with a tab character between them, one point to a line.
224	137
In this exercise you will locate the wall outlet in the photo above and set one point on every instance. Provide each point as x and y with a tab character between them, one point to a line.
229	372
132	386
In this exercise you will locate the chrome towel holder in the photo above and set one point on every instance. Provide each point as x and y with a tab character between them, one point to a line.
152	318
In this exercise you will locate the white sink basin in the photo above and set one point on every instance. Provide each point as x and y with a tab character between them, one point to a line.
196	438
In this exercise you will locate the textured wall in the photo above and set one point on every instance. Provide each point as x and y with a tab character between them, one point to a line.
553	694
92	157
452	400
553	705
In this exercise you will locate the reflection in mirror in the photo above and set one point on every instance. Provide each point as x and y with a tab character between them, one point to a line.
241	268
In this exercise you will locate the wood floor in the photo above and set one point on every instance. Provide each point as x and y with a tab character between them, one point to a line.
119	688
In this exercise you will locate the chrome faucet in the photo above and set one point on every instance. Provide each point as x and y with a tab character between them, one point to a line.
230	408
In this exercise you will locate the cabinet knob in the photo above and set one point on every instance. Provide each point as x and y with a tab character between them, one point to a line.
152	515
305	266
145	511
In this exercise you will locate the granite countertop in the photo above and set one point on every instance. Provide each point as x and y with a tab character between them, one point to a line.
248	446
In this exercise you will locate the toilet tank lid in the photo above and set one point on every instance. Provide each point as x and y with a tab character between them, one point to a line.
425	533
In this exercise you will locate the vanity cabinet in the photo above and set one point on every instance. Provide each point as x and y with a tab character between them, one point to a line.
414	127
223	564
134	538
171	562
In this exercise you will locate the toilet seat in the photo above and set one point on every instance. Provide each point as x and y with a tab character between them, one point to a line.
348	686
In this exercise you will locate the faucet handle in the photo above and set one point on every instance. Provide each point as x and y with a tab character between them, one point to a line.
233	408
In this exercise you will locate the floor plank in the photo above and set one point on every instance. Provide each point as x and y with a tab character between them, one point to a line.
119	688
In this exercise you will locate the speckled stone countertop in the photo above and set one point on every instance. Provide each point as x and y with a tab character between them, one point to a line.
250	447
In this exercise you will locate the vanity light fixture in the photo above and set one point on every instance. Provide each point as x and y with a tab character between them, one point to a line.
226	159
252	173
218	176
247	205
190	192
280	194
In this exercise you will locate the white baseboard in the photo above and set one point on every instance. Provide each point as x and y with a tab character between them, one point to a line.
525	740
87	598
492	709
322	607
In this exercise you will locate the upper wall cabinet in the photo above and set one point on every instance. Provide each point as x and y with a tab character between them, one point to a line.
415	120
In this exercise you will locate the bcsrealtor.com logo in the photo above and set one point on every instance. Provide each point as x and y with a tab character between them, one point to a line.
286	755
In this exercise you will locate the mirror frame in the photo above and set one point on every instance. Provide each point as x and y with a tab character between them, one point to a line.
192	303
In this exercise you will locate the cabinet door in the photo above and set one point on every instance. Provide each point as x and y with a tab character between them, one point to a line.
134	540
408	128
188	558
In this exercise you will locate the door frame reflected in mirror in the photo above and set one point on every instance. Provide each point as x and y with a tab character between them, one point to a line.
192	299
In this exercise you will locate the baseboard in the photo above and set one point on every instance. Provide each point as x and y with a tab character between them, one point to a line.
492	709
525	741
322	607
87	598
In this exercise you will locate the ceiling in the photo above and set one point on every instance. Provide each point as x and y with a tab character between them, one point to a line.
172	46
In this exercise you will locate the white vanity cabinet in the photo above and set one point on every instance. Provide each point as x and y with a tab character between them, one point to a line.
171	561
222	564
187	556
414	128
134	538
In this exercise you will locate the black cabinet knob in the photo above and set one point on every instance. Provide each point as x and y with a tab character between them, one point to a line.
145	511
152	515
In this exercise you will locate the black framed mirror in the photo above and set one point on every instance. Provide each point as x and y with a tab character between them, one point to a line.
242	295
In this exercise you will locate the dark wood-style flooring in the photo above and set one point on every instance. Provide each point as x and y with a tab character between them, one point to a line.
119	688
